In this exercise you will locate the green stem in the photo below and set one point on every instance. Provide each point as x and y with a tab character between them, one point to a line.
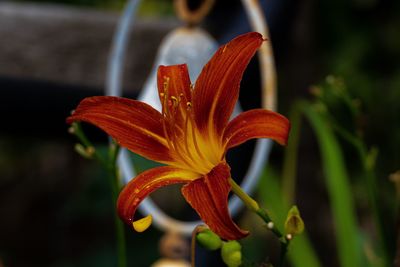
368	165
252	205
115	187
284	249
110	164
290	156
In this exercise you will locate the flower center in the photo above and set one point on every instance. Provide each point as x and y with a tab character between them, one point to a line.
190	148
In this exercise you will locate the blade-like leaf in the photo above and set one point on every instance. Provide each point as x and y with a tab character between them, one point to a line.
337	181
301	252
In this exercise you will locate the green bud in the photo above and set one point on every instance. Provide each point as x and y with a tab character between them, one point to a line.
209	240
231	253
84	152
294	224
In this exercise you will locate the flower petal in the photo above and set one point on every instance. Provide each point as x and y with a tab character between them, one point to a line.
209	197
133	124
217	88
257	123
174	91
176	79
144	184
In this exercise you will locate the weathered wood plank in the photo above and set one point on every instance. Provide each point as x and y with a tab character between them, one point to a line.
69	45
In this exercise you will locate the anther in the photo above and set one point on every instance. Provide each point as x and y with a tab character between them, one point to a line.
142	224
166	83
174	99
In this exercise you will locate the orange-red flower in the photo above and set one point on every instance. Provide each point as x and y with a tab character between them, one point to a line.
191	135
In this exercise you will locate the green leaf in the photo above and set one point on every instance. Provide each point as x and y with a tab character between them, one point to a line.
301	253
347	234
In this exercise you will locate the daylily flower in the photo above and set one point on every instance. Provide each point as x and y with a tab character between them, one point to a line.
191	135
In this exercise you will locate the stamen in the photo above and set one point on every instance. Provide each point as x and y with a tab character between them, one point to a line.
165	117
166	83
171	137
142	224
174	105
189	115
174	100
185	133
196	146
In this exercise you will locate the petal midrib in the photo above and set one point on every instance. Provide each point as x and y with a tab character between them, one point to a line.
159	138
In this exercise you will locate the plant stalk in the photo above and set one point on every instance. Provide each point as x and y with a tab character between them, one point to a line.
252	205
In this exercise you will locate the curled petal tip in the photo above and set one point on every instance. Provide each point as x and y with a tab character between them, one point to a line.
143	224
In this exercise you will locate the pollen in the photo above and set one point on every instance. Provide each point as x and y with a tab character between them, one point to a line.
166	83
174	100
143	224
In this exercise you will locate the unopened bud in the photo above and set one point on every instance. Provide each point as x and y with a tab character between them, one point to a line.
294	224
84	152
231	253
71	130
316	91
209	240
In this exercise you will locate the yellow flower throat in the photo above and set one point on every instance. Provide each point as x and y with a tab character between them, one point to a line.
190	148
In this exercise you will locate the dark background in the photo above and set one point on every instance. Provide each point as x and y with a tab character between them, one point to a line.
55	207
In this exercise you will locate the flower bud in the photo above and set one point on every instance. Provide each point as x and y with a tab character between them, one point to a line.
294	224
84	152
231	253
209	240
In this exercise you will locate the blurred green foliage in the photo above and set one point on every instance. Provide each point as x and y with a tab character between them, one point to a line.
146	8
359	42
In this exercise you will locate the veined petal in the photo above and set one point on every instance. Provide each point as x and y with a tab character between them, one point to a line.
174	92
176	80
133	124
209	197
217	88
144	184
257	123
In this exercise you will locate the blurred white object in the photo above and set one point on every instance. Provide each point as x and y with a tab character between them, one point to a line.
192	46
170	263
